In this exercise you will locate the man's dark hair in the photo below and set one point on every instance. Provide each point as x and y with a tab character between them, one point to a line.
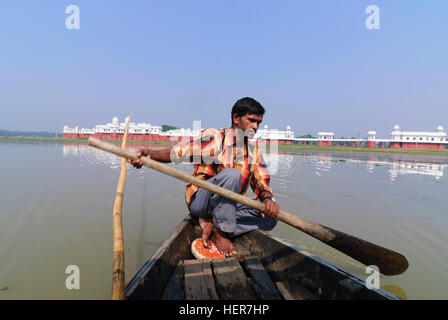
247	106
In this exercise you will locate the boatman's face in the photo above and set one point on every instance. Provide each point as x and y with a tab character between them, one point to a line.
248	124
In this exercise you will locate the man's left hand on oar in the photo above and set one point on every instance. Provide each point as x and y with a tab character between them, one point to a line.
272	209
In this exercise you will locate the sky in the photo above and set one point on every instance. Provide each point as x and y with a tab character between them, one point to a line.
313	64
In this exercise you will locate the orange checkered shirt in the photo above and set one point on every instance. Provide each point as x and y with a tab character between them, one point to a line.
215	150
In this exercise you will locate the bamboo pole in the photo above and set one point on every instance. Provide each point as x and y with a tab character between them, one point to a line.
389	262
118	256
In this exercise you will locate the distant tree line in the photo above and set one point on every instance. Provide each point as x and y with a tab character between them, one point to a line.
38	134
306	136
166	127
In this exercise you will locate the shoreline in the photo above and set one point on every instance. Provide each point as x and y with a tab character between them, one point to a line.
294	147
84	140
442	152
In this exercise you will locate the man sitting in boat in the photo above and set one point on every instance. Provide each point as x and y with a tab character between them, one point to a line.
225	158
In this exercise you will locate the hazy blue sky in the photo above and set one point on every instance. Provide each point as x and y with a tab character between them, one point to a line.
312	64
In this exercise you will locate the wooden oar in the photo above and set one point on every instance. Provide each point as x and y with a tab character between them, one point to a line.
389	262
118	257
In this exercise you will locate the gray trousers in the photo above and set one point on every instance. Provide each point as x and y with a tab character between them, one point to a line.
229	216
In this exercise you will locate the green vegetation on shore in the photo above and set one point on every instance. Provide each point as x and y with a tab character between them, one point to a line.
166	127
281	147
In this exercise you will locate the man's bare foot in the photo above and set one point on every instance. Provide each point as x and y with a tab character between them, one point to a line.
223	243
207	228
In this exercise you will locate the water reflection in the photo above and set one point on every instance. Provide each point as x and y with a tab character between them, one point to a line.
92	155
396	164
435	170
280	164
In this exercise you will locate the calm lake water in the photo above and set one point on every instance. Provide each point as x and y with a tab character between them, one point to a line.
57	201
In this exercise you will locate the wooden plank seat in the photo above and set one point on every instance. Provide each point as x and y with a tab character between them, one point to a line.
199	284
260	280
233	278
231	281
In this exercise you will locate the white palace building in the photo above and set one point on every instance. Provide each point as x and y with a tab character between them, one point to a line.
145	131
398	139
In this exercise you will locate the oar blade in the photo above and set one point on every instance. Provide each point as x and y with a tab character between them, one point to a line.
388	261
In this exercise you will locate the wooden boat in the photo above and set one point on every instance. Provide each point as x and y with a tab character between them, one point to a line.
265	268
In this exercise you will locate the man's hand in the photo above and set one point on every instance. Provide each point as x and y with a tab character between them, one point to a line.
272	209
143	152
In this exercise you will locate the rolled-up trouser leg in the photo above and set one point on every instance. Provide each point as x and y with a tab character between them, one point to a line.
248	219
206	204
228	216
